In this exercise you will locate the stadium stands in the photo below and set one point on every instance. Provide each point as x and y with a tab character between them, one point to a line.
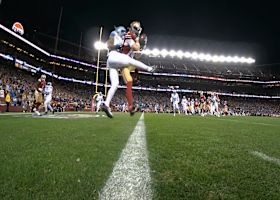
190	75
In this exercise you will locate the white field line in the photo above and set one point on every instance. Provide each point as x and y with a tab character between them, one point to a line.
266	157
131	178
246	122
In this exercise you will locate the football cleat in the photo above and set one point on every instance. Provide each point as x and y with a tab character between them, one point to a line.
106	109
132	110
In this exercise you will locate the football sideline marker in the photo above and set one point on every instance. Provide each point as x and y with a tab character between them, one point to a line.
131	178
266	157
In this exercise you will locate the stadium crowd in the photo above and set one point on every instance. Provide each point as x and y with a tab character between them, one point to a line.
20	86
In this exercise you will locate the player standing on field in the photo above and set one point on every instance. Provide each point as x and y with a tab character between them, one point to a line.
99	101
184	103
175	102
48	89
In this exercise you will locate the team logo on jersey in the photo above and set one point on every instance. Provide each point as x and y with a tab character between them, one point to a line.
18	28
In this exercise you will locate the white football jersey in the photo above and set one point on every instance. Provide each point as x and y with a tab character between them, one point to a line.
99	97
175	98
48	89
184	101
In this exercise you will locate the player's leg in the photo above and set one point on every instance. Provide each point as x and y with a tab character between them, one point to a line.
122	60
98	106
46	101
174	109
37	103
128	80
177	107
114	78
49	104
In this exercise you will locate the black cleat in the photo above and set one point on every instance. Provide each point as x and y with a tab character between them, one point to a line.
132	111
107	111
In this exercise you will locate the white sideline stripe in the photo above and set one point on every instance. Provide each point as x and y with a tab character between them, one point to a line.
266	157
131	178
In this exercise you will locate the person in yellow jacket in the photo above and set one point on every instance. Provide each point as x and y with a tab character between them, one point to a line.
8	100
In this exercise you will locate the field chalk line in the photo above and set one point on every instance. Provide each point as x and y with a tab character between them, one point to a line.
131	178
266	157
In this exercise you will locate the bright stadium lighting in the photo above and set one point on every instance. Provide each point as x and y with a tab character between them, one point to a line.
228	59
208	57
194	55
180	54
222	58
197	56
155	52
250	60
100	45
201	56
172	53
146	51
215	58
242	60
164	53
235	59
187	54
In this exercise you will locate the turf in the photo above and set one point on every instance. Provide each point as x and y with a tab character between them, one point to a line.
59	158
189	157
210	158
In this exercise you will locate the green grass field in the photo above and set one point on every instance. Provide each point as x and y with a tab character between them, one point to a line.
189	157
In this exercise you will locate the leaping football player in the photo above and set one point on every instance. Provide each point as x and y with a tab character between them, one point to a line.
118	61
39	94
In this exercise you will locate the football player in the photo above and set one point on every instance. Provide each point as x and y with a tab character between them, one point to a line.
99	100
118	60
202	104
175	102
184	103
39	94
48	89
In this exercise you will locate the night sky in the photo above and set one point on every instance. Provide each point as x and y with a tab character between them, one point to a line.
253	23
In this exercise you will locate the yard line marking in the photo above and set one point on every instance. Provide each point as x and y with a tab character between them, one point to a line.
266	157
246	122
131	178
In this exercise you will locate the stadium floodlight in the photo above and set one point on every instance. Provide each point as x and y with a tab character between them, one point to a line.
222	58
194	55
215	58
155	52
201	56
187	54
208	57
180	54
198	56
100	45
172	53
164	53
235	59
146	51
